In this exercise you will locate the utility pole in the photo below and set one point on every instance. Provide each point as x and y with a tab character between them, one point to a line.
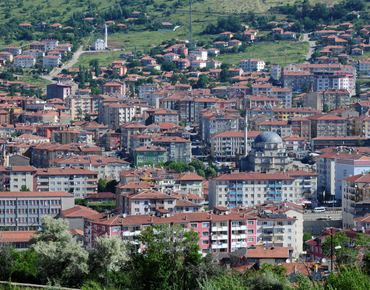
332	246
191	25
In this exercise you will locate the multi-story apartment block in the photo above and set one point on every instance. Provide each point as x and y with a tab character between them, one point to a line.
149	155
355	190
227	146
249	189
165	116
264	88
14	177
50	44
115	115
284	114
38	46
51	60
335	98
215	123
221	231
79	104
128	130
69	135
362	126
79	182
14	50
36	53
297	81
301	127
23	210
147	88
282	128
24	61
114	88
275	72
327	125
145	202
104	167
252	64
305	182
284	94
178	149
60	91
324	80
190	182
42	154
251	102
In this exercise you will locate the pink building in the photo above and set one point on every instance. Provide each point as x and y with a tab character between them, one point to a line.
219	231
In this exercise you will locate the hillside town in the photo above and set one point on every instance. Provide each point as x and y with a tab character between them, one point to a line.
257	162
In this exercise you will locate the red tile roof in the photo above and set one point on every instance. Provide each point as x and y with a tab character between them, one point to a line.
16	236
78	211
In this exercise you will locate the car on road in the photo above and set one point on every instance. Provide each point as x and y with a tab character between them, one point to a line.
319	209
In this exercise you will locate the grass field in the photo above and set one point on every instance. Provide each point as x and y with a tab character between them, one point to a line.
32	81
282	52
104	58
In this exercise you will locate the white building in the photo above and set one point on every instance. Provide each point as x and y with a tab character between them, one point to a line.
51	60
99	44
50	44
276	71
24	61
252	64
203	53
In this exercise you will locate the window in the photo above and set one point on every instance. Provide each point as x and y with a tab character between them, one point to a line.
205	242
205	225
250	240
94	227
289	223
289	230
250	223
103	228
205	233
250	231
193	225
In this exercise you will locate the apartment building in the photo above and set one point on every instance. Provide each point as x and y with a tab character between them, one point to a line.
284	94
60	91
14	177
24	61
324	80
42	154
34	52
297	81
327	125
128	130
50	61
22	210
105	167
362	126
149	155
114	88
252	64
79	182
335	98
165	116
355	190
146	202
215	123
282	128
50	44
301	127
178	149
115	115
190	182
275	71
70	135
284	114
227	146
14	50
80	105
38	46
219	231
251	102
249	189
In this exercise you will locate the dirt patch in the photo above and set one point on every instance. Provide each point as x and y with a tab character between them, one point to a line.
116	44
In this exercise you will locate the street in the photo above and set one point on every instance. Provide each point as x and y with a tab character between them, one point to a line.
334	215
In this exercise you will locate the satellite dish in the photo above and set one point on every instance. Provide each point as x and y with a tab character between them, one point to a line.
323	260
287	261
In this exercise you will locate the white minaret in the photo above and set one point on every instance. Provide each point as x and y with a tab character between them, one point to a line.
246	135
106	36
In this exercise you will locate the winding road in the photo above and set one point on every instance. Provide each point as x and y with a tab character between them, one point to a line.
312	47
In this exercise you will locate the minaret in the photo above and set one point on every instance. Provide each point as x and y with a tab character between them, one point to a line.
106	36
245	135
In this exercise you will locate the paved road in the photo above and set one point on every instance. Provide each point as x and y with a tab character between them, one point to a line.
312	47
335	215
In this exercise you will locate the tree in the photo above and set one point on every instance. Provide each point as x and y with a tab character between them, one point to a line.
59	261
181	124
197	164
334	246
6	260
200	172
171	259
265	280
109	255
102	184
24	188
111	186
306	237
359	142
202	82
210	172
80	113
358	88
325	108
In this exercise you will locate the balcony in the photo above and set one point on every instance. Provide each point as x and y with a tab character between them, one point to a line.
239	185
219	229
232	192
131	233
219	246
219	237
